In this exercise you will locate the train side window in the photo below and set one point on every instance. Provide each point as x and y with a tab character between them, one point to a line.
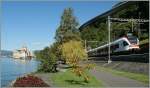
116	46
125	43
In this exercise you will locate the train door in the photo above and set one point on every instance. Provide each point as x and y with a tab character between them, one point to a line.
121	47
116	47
125	45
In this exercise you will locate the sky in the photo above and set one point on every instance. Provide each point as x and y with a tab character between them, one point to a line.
33	23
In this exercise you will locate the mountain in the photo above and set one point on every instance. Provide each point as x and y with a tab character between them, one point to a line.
6	53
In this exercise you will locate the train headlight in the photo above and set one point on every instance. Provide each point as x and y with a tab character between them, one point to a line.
134	46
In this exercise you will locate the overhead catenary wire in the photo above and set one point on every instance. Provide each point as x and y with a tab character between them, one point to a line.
128	20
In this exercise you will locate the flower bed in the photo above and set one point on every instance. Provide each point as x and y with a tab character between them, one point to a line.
30	81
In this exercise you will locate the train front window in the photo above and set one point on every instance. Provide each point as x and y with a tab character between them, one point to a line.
125	43
133	40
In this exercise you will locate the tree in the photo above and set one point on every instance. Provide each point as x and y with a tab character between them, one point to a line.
121	29
74	53
68	27
92	33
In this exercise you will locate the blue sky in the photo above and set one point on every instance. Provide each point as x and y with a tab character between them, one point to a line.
33	23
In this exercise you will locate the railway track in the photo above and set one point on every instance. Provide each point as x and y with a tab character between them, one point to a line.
130	57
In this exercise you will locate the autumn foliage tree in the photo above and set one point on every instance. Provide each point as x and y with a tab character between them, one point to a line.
74	53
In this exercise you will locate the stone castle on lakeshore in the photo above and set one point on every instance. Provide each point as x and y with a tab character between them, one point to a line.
22	53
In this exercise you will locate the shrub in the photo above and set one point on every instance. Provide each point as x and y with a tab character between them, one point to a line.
73	52
48	58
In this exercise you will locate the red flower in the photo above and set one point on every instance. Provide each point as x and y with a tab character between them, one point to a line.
30	81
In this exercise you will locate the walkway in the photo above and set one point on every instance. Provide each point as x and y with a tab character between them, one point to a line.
110	80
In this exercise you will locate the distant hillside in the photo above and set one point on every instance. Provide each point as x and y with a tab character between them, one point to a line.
6	53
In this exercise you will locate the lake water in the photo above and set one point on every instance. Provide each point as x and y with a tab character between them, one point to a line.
13	68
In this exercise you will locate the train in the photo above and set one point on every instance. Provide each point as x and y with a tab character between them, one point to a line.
124	45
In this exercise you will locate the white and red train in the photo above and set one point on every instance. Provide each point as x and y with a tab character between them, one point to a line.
123	44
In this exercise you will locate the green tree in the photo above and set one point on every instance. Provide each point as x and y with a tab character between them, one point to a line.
121	29
68	27
92	33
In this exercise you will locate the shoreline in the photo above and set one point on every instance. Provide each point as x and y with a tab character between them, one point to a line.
15	68
13	81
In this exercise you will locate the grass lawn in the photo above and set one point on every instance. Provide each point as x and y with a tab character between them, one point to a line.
68	79
139	77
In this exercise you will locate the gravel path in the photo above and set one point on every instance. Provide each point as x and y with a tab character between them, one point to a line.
110	80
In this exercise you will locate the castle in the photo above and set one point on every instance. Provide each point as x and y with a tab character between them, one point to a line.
22	53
